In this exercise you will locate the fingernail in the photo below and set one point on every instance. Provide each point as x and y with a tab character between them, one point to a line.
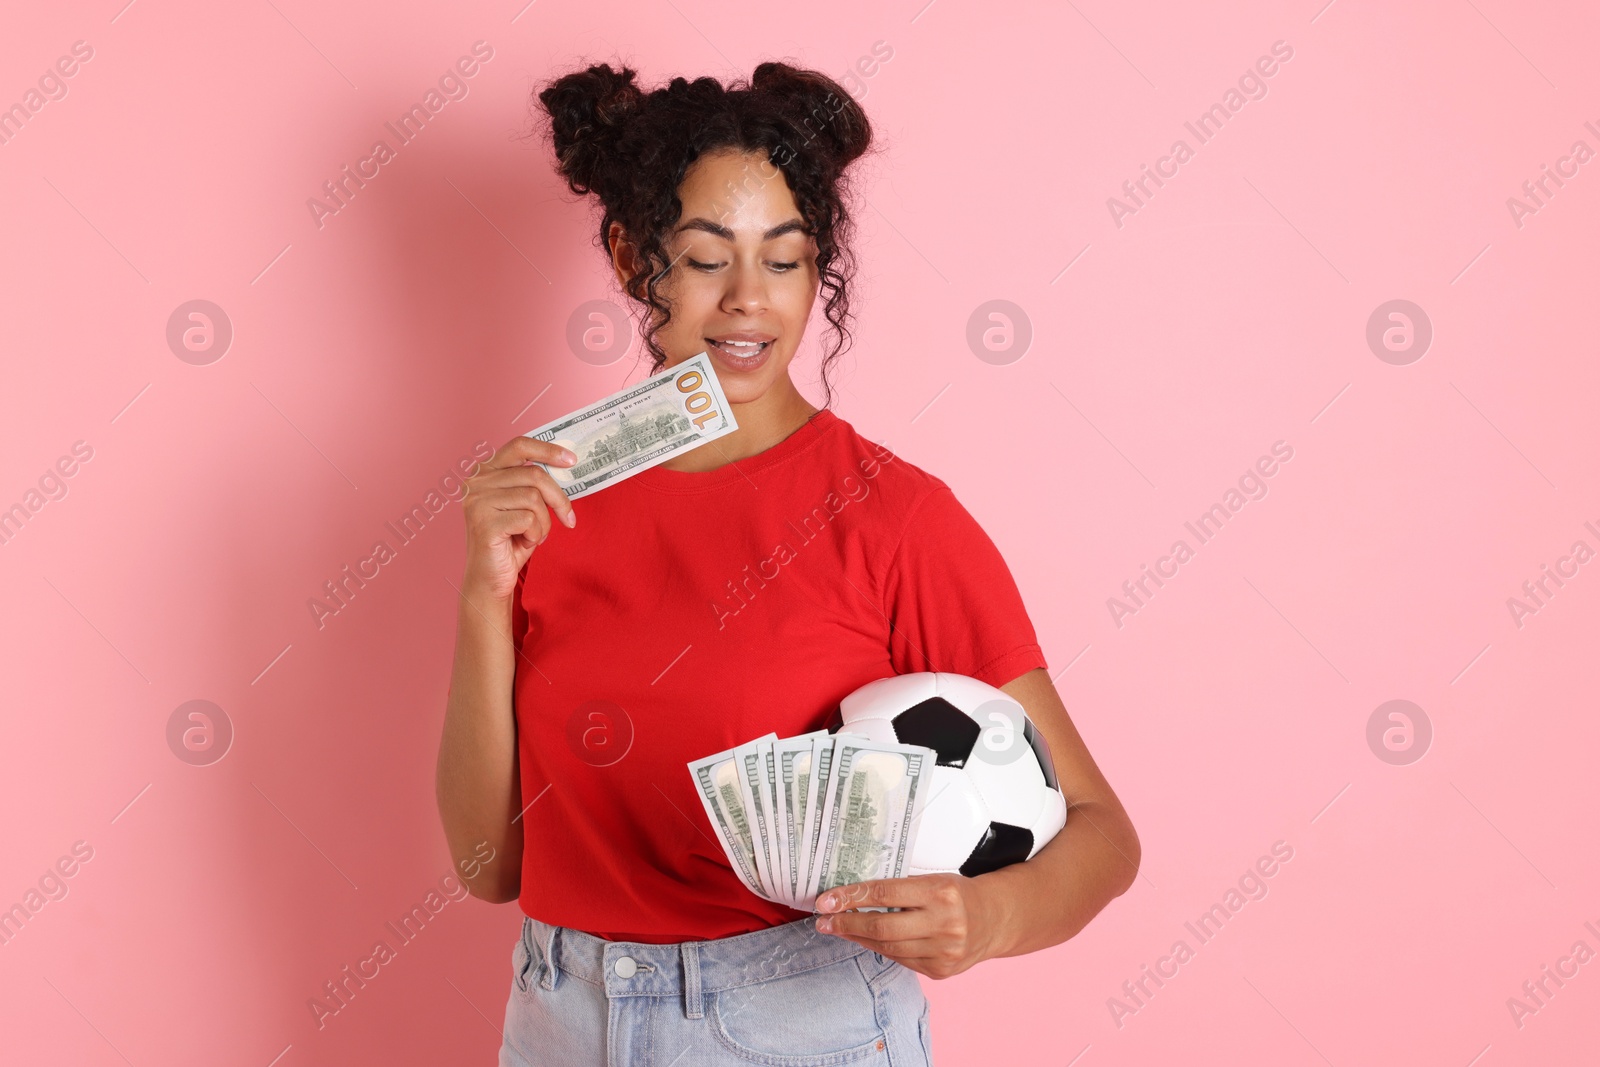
825	924
569	457
571	519
828	902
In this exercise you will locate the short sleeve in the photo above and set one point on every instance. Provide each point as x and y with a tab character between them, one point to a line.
951	601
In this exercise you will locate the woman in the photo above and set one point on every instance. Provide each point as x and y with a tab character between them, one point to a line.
745	586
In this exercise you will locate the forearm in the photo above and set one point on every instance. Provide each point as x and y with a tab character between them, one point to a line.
477	785
1049	898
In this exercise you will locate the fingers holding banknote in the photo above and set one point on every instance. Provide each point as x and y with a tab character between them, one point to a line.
507	508
940	931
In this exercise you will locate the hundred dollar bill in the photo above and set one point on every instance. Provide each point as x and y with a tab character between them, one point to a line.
716	779
812	840
793	757
875	798
779	861
663	416
751	759
814	837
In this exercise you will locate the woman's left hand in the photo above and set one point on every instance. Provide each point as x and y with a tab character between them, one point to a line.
948	924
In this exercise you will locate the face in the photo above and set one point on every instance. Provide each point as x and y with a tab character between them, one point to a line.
743	270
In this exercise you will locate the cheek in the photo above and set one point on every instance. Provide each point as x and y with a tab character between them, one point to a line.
694	303
794	301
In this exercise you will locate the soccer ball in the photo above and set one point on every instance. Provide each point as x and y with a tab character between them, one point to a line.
993	797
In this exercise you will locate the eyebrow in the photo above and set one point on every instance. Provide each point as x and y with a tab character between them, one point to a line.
718	230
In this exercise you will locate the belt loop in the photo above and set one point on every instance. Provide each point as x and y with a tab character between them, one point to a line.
692	1004
550	965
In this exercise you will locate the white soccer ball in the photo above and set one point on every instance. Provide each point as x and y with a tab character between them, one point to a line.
993	797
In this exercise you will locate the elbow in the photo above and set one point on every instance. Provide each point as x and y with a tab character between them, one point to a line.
1133	852
498	879
1120	853
496	894
1134	858
491	870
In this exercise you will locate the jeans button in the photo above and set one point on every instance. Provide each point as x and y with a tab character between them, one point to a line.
625	967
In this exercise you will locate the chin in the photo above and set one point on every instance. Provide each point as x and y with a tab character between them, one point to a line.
745	392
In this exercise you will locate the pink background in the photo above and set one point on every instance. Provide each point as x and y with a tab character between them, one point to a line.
1228	313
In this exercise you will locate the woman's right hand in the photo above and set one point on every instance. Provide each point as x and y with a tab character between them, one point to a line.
507	510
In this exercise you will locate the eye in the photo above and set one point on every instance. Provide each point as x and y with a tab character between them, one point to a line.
781	268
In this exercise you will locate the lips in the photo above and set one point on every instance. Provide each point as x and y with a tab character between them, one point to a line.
741	348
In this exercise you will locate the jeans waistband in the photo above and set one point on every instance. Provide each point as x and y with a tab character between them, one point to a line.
686	968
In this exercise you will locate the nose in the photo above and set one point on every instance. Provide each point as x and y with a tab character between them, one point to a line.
747	289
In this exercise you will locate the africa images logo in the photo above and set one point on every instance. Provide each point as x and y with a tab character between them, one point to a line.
738	597
452	86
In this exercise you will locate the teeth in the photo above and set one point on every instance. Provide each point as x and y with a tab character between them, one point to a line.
741	348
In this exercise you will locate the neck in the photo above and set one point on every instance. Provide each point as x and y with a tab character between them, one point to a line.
763	422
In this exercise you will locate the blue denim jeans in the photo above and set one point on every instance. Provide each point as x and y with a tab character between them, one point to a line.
785	996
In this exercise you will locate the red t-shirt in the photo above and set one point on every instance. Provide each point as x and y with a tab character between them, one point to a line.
689	612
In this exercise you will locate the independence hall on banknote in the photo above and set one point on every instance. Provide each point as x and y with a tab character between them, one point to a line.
858	845
631	437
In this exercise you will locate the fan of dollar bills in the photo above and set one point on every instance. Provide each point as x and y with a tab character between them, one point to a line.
800	815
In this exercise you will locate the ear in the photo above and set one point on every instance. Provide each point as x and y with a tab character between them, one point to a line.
624	258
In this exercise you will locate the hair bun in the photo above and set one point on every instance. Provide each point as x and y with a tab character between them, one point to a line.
821	110
588	110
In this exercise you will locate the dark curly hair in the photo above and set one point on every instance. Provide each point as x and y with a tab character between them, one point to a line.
632	150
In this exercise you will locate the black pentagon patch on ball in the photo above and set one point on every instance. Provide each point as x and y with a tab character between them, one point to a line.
940	725
1041	752
1001	845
